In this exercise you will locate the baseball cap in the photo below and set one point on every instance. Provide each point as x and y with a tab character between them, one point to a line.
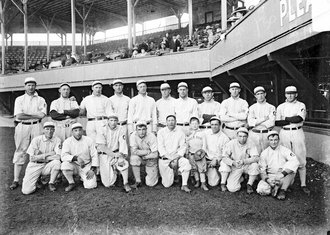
141	123
65	84
76	125
30	79
234	84
207	88
49	124
140	81
117	81
258	88
215	118
272	133
291	89
242	129
165	86
113	115
194	118
96	82
182	84
171	115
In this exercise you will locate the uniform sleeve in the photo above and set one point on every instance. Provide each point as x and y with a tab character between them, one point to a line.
109	107
42	106
66	151
133	145
18	107
123	148
279	113
263	163
154	115
101	137
131	108
242	115
83	104
252	120
254	155
271	117
223	113
53	106
58	146
161	143
223	144
74	105
182	145
195	108
153	143
33	147
302	111
93	154
227	154
292	160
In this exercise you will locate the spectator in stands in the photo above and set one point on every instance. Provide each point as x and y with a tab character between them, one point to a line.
135	52
232	21
68	60
196	36
143	53
175	44
210	36
168	39
165	42
239	12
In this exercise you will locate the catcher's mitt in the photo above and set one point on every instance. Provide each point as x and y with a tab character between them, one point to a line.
174	164
263	188
199	155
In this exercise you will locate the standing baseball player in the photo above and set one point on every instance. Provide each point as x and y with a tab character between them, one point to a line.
261	119
172	148
290	116
29	109
278	166
119	103
97	107
234	111
144	150
165	105
113	151
209	108
64	112
185	108
240	156
45	155
213	144
79	157
142	108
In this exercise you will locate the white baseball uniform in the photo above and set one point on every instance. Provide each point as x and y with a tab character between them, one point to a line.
86	150
138	148
26	130
164	108
234	151
119	105
208	107
63	126
233	114
185	109
264	113
171	144
195	142
37	166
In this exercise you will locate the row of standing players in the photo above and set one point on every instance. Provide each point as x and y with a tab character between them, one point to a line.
122	113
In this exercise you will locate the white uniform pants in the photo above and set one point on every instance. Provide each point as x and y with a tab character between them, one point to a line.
77	170
63	129
23	136
95	128
108	170
151	169
259	140
213	177
232	134
295	140
233	181
167	173
33	172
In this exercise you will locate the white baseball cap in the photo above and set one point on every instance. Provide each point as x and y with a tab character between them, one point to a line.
182	84
242	129
117	81
165	86
140	81
141	123
291	89
49	124
206	89
215	118
113	115
65	84
234	84
272	133
96	82
76	125
30	79
258	88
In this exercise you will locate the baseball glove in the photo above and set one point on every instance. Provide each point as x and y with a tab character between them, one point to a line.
174	164
263	188
199	155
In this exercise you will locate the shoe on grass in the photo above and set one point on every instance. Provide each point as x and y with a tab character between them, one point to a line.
198	184
281	195
249	189
51	187
204	187
185	189
305	190
223	188
70	187
127	188
14	185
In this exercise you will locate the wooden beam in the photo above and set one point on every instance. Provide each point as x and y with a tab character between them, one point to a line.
219	86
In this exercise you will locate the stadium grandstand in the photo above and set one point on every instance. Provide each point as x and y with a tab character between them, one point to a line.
272	43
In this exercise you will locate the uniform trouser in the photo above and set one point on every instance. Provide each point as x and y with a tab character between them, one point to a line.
284	182
23	136
233	181
167	173
77	170
108	170
96	128
63	129
33	172
259	140
295	140
203	167
151	168
232	134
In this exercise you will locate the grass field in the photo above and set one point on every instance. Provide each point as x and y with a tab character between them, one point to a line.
159	210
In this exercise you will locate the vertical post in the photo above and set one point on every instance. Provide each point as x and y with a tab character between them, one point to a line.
25	34
2	39
48	46
73	26
65	39
134	23
105	35
142	28
129	23
81	39
84	28
190	12
61	39
11	40
223	14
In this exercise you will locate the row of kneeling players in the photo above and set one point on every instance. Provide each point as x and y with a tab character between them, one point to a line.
209	157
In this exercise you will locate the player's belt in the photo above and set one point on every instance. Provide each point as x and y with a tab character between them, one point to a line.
39	162
163	158
232	128
123	123
204	127
161	125
31	123
104	153
260	131
97	118
291	128
183	124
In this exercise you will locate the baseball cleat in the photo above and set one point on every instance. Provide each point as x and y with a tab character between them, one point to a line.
305	190
204	187
223	188
281	195
51	187
14	185
185	188
249	189
127	188
136	185
198	183
70	187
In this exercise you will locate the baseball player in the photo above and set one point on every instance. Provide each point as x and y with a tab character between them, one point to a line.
233	112
213	144
64	112
209	108
240	156
98	108
79	157
171	148
194	143
185	108
113	151
119	103
144	150
278	166
165	105
261	119
290	116
29	109
45	155
142	107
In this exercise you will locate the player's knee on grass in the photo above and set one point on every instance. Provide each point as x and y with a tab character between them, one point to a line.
184	165
253	169
135	160
28	185
224	167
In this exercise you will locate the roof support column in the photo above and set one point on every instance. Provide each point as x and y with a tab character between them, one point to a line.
25	34
129	23
73	26
223	14
134	21
3	35
84	28
190	12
